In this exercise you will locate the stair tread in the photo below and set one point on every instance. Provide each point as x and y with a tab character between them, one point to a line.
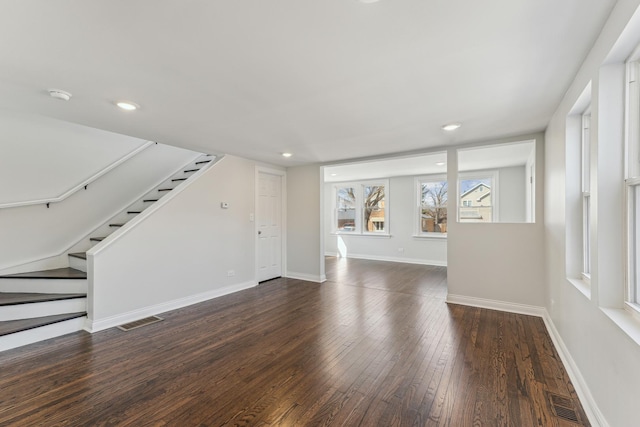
81	255
165	189
179	179
97	239
57	273
203	161
13	326
150	200
116	225
15	298
191	170
134	212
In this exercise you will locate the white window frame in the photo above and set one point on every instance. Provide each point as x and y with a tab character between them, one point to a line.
493	175
358	186
632	183
585	169
418	205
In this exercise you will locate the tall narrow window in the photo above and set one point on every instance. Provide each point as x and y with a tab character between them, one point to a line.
374	209
345	209
632	183
432	205
586	196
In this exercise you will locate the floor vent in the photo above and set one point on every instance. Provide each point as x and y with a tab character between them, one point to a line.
563	407
140	323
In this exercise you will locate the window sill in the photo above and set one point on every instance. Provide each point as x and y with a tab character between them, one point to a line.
381	235
432	236
581	285
625	320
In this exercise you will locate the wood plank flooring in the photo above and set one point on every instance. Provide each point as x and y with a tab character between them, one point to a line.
376	345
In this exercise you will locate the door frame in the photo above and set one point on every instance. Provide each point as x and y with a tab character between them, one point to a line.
283	218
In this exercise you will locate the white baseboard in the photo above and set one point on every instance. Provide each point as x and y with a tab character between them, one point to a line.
586	398
391	259
596	418
510	307
112	321
308	277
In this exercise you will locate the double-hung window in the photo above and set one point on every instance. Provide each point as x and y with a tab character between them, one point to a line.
586	194
432	206
632	186
361	207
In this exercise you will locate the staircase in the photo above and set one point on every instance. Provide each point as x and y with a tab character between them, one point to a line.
39	305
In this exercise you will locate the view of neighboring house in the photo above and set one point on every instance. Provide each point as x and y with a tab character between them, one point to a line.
376	217
476	205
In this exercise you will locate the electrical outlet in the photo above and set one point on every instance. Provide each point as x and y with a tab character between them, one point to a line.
231	273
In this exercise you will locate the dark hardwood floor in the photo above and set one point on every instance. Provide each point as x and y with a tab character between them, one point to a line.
376	345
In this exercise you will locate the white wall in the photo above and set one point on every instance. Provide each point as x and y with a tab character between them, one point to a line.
182	252
601	339
512	194
498	262
305	251
42	158
37	233
402	218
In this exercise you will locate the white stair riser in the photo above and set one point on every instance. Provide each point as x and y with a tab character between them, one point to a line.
42	309
45	286
42	333
78	263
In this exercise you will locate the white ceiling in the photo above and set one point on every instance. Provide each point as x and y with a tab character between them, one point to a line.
326	80
469	159
495	156
423	164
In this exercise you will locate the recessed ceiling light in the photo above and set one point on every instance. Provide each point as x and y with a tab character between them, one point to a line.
439	163
287	154
334	174
60	94
127	105
451	126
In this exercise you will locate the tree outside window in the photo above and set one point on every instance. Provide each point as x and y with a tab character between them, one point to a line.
433	206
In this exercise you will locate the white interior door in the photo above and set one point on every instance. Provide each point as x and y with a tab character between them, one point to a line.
269	219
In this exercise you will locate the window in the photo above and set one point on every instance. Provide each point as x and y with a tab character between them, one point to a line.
496	183
632	184
360	208
478	199
586	195
373	208
345	209
432	205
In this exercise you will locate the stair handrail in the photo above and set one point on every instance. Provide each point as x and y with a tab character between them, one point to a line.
83	184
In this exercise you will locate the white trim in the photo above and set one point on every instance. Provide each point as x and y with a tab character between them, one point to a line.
321	278
510	307
82	184
112	321
431	236
595	416
391	259
283	216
